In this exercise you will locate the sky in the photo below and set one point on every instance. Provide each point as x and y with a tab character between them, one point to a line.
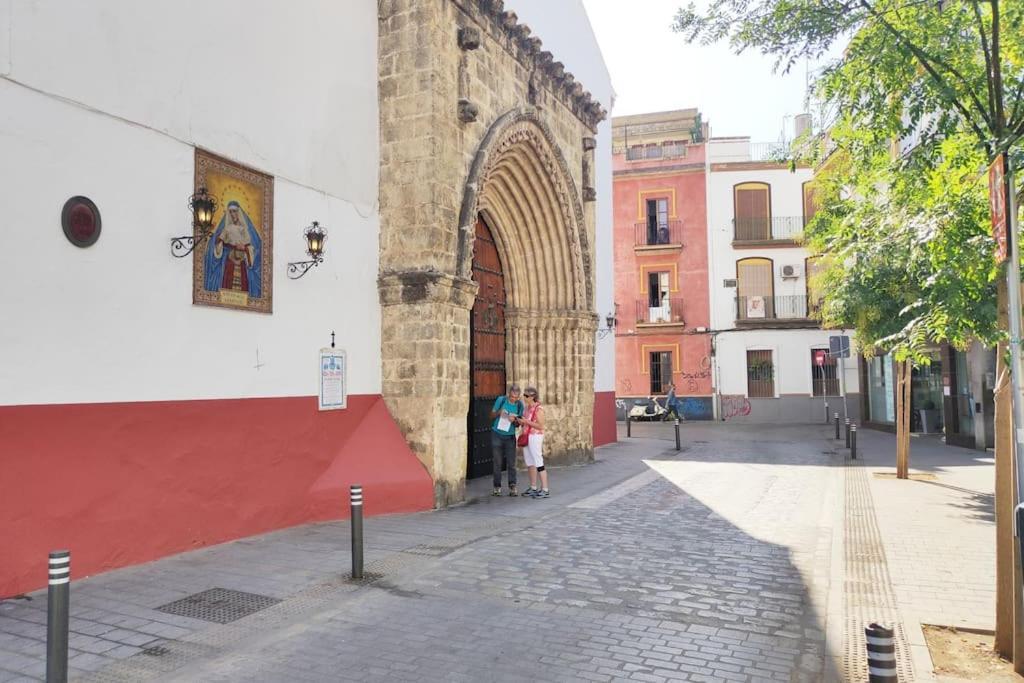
654	69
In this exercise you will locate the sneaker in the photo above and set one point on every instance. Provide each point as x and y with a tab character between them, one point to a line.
496	492
530	492
543	493
513	491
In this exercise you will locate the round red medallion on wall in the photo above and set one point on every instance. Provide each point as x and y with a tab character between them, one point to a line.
81	221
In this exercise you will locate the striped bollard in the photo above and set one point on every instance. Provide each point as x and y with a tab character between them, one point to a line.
881	654
356	500
826	412
837	426
58	602
847	432
678	443
853	442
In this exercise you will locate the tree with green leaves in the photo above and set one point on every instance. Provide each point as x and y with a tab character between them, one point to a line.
907	232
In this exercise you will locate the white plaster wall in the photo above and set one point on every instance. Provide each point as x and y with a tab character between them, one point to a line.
787	200
791	347
106	99
287	87
791	354
565	30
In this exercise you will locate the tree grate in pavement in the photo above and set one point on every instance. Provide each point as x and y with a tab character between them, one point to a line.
219	605
868	594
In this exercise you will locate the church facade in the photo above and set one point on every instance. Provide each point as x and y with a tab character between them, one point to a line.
452	168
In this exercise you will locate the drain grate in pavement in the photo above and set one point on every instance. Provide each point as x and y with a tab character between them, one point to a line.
219	605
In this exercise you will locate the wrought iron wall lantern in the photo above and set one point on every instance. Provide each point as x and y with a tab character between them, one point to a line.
316	235
609	326
203	206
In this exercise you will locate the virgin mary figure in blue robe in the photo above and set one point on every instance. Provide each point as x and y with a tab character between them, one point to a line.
234	254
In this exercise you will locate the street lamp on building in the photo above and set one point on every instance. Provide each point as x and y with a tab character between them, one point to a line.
202	206
315	235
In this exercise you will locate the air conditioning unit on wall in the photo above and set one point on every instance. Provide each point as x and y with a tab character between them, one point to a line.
791	272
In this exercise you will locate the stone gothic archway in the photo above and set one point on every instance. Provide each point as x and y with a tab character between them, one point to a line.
520	184
476	119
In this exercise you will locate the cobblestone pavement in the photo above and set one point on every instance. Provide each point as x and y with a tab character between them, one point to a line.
722	562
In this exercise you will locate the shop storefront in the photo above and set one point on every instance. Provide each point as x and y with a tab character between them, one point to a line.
952	395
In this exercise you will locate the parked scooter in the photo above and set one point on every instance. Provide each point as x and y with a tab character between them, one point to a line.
647	410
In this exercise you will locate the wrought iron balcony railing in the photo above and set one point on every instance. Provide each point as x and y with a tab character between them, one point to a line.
664	233
668	312
753	308
768	228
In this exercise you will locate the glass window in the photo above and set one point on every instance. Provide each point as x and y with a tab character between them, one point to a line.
963	396
657	221
760	374
881	394
658	293
661	371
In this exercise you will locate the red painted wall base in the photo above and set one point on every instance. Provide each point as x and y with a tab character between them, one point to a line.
604	418
124	483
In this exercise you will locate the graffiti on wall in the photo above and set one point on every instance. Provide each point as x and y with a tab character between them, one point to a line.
735	406
696	407
691	380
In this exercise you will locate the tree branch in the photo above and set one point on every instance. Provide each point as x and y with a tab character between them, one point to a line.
988	55
997	75
926	61
1013	121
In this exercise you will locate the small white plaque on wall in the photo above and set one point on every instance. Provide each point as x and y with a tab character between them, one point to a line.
333	393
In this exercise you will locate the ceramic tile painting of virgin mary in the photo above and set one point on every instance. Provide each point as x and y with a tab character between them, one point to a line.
233	268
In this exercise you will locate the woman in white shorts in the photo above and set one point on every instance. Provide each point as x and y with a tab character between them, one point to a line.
533	421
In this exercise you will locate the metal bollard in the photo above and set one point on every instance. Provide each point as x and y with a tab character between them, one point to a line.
678	445
837	426
58	602
629	427
853	442
881	654
356	495
826	413
847	432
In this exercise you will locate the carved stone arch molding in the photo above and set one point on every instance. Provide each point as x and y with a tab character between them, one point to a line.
520	156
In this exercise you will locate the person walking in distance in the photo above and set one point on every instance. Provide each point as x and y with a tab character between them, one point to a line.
533	426
672	404
507	409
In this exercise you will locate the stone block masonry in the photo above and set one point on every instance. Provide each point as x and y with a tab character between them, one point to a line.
476	120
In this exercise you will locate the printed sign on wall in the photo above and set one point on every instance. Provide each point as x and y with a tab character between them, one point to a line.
333	394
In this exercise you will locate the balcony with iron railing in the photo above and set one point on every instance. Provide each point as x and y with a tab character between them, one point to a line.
797	310
668	312
661	235
760	231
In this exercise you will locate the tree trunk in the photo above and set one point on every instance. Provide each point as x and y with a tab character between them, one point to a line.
902	419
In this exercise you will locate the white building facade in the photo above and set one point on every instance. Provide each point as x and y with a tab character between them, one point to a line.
770	361
135	423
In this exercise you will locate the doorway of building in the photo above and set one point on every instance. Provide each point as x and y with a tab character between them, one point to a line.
487	349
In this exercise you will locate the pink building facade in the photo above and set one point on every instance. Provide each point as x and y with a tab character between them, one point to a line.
661	261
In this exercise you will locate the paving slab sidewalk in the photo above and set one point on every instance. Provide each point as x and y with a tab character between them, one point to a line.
113	615
722	562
